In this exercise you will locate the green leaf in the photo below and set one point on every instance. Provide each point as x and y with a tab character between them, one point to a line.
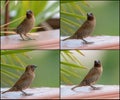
67	72
12	66
73	13
8	52
72	65
51	10
9	74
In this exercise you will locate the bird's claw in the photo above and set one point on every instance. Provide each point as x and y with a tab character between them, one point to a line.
85	42
96	88
27	94
26	39
30	39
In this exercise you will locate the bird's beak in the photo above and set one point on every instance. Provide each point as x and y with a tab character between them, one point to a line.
35	66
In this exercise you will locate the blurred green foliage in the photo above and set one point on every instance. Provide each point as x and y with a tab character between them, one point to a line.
69	64
11	63
111	67
107	16
47	73
73	14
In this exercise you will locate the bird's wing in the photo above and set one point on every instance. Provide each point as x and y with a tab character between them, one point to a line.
90	78
21	79
20	27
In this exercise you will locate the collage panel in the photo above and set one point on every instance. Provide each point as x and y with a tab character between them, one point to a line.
89	25
35	26
91	72
30	74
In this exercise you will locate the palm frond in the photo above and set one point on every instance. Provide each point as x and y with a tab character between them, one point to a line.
12	65
70	64
73	13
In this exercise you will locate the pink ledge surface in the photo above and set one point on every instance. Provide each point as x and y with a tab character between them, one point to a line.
100	42
43	40
85	92
38	93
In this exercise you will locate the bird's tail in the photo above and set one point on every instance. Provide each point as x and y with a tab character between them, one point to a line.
5	91
11	89
71	37
75	87
66	39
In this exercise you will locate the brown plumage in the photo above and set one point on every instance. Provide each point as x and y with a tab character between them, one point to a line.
24	81
26	25
92	76
85	30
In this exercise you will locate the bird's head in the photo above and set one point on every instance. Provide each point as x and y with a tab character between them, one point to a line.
90	16
31	68
29	13
97	63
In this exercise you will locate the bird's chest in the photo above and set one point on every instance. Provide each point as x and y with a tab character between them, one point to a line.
85	30
28	81
26	26
29	25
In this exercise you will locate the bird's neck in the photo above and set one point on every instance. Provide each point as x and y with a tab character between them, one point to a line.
90	18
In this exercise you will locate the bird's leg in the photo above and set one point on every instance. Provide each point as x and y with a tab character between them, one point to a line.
86	42
28	37
23	92
26	94
75	87
22	36
95	88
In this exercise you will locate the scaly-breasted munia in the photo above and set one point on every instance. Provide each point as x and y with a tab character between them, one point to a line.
26	25
85	30
92	76
24	81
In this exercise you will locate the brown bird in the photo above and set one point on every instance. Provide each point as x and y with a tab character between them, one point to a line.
24	81
85	30
26	25
92	76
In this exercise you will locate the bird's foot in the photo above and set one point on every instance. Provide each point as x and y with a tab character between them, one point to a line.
26	39
30	39
27	94
72	88
96	88
86	42
23	39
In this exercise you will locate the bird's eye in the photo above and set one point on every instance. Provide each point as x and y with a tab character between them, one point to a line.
29	11
91	14
33	66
